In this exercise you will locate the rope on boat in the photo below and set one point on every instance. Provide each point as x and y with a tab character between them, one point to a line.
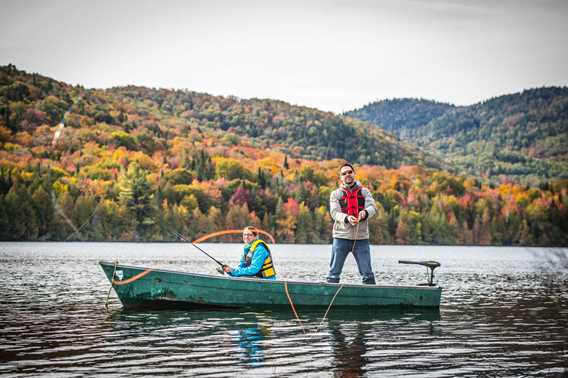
293	307
131	279
111	284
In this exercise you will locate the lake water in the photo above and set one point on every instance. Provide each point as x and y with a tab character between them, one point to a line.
503	312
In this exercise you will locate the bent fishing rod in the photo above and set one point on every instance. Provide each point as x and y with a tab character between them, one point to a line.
180	236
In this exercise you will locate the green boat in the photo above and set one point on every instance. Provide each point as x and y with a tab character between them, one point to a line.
156	288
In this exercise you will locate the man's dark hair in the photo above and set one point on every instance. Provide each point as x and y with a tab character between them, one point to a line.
346	165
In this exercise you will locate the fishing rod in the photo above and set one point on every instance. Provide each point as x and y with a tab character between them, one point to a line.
180	236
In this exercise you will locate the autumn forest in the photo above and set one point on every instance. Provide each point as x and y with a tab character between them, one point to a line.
142	164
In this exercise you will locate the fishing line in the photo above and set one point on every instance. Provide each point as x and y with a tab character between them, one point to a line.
329	307
62	213
87	221
355	239
59	128
56	136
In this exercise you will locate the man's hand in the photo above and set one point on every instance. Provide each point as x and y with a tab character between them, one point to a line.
352	220
362	215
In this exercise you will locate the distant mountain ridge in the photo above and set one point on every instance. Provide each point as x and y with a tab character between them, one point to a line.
401	116
522	135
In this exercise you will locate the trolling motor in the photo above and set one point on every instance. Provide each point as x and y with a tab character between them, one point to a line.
428	264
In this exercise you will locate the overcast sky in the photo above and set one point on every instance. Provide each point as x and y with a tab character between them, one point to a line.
330	54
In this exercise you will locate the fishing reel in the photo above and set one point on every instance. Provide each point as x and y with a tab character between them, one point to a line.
220	270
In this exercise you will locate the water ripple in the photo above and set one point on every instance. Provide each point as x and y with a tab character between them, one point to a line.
503	318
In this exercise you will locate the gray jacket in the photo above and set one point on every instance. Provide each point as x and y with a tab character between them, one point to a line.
343	230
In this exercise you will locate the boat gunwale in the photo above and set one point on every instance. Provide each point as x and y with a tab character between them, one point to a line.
277	281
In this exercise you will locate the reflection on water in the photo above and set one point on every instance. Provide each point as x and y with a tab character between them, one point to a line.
270	342
500	315
349	356
250	341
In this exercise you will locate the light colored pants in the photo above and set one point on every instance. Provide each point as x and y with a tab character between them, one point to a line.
362	253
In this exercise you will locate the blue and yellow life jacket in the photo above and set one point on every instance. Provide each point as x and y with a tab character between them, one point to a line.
267	270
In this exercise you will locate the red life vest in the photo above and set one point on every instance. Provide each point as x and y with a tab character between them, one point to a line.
352	202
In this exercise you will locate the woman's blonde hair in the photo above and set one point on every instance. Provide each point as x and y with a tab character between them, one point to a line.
251	229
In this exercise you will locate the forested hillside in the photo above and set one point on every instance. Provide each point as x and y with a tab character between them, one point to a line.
142	164
298	131
401	117
522	136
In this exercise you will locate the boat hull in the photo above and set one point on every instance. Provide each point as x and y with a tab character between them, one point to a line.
159	288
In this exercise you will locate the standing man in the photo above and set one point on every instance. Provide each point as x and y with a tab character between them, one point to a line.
351	206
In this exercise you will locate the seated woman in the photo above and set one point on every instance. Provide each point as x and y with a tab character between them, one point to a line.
256	260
